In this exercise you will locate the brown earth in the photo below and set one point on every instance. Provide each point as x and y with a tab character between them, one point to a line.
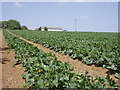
0	59
11	76
78	65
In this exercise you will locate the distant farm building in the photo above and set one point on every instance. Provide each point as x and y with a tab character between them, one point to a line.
51	29
31	29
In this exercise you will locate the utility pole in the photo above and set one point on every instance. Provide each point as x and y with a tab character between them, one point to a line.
75	25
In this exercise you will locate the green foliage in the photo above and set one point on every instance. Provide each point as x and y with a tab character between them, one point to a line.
45	28
45	71
5	24
39	29
11	24
101	49
117	75
0	24
24	27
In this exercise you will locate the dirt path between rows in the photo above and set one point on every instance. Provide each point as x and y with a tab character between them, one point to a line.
0	59
78	65
11	76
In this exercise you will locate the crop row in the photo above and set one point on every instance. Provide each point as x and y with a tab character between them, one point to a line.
45	71
100	49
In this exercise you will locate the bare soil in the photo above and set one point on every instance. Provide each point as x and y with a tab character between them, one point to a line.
0	59
11	76
77	64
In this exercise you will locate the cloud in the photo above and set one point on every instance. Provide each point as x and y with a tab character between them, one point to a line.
17	4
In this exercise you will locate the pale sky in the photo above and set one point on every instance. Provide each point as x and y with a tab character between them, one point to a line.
91	16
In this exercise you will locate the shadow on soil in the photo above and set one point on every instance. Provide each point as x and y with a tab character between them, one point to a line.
6	48
111	72
4	60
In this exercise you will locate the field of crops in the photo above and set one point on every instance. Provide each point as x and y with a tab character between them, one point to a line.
45	71
100	49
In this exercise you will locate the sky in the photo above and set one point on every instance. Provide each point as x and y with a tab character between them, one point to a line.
90	16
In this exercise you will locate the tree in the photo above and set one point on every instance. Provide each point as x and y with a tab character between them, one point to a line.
0	24
39	29
14	24
4	24
24	27
11	24
45	29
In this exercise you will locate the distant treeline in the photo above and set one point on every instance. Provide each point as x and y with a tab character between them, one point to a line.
12	24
